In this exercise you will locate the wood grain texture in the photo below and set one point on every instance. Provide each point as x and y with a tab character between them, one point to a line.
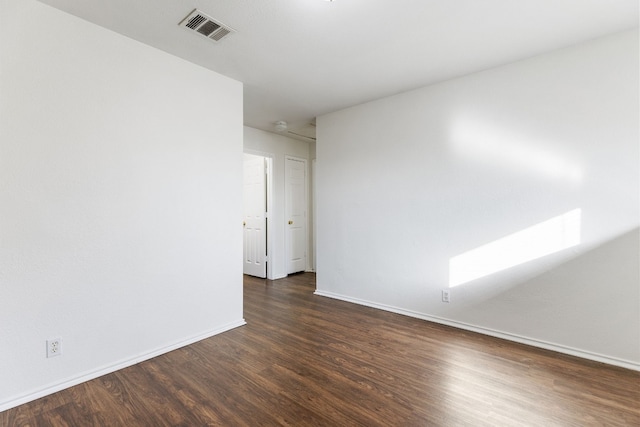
305	360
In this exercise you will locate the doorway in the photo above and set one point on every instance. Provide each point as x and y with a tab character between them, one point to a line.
256	218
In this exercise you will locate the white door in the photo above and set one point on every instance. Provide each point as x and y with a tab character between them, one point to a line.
254	222
295	176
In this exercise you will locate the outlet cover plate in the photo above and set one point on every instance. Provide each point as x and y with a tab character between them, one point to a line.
54	347
446	295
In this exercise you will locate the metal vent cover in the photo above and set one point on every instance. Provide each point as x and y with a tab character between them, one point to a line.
206	26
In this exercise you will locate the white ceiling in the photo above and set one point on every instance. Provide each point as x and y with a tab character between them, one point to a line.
299	59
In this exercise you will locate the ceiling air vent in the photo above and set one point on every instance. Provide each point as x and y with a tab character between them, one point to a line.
205	26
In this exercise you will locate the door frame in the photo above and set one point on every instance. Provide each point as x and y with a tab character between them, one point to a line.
313	233
269	213
306	217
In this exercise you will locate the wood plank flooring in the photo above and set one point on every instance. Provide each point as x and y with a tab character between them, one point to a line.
305	360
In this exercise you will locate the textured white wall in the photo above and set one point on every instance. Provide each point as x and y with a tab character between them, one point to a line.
278	147
120	185
408	182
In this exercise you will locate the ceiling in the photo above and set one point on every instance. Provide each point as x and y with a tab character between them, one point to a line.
299	59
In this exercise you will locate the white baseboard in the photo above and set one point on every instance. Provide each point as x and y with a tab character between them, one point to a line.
87	376
491	332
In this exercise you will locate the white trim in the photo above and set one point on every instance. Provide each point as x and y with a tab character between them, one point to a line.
87	376
270	214
313	233
259	153
491	332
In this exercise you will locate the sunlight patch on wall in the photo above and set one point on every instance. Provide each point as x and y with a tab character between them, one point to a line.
513	150
542	239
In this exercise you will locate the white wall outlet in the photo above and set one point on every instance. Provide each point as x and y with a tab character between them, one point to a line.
446	296
54	347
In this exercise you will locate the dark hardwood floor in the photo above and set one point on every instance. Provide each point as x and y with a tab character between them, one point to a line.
308	360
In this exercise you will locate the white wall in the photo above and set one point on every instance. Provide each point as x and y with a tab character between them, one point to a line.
278	147
408	182
120	184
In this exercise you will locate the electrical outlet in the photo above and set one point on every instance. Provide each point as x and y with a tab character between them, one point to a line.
446	296
54	347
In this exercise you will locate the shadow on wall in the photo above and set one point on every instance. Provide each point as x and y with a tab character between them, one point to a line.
604	263
545	238
598	291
